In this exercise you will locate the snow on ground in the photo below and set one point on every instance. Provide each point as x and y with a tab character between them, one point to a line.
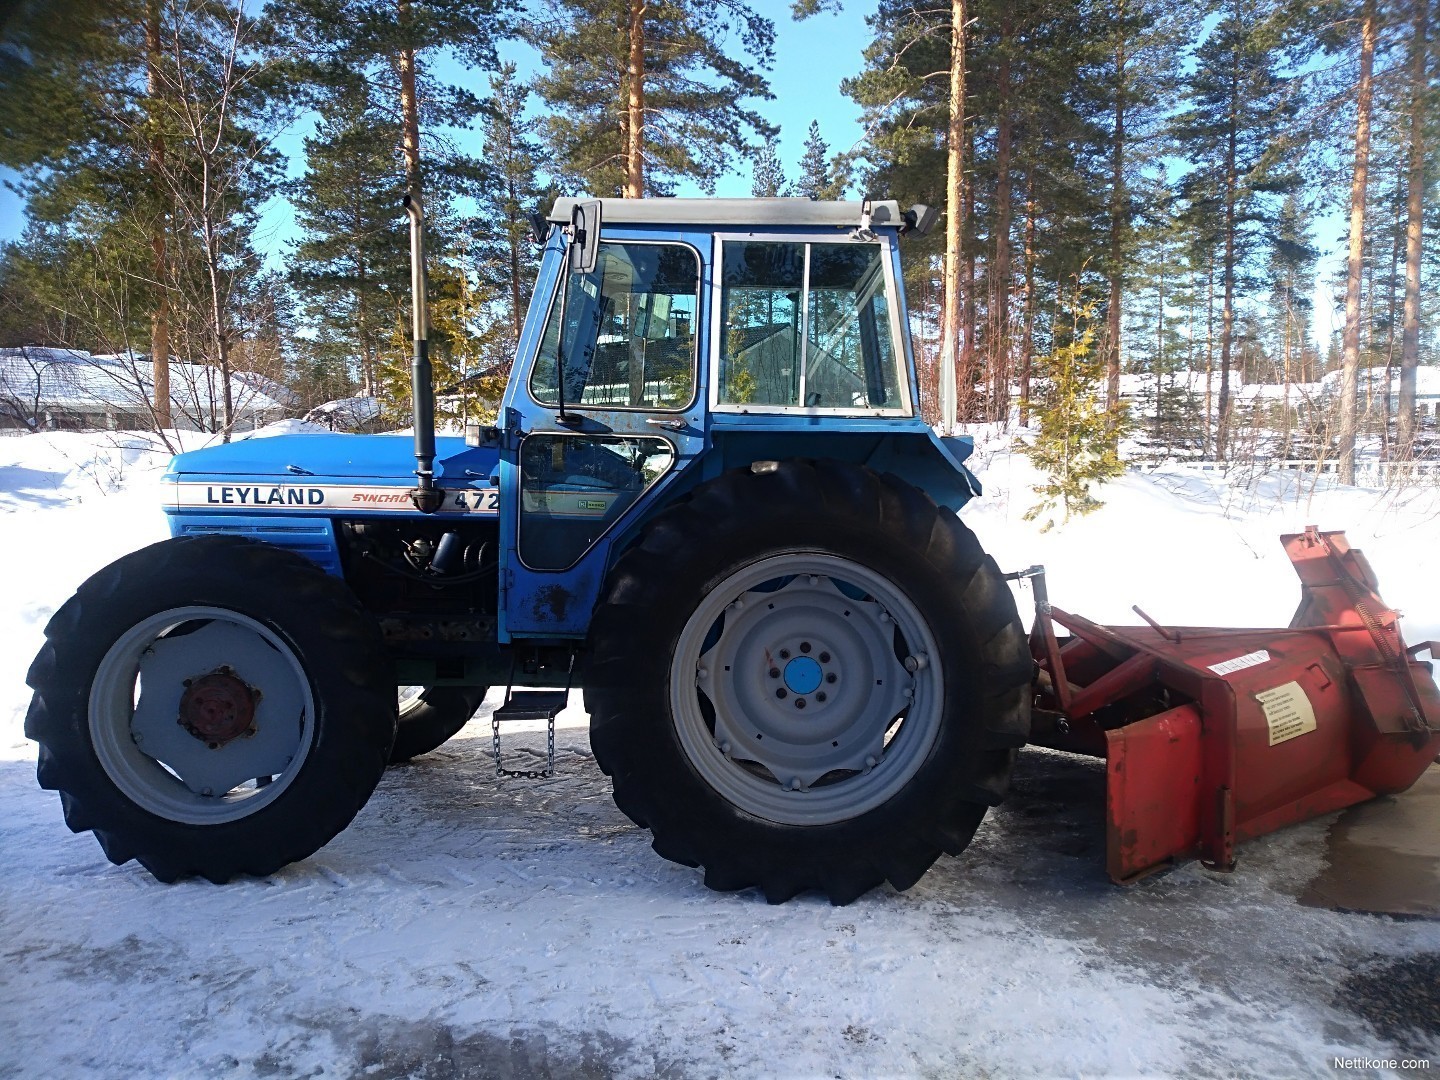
468	926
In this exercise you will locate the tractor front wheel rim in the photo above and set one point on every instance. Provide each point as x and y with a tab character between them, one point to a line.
142	715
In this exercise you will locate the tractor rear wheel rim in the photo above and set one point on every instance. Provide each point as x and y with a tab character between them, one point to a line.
136	715
803	689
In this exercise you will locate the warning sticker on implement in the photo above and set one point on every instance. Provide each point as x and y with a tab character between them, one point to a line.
1240	663
1288	712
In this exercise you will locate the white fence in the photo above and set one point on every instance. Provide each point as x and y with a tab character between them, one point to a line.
1368	473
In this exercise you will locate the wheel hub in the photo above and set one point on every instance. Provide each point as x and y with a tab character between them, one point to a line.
218	708
803	675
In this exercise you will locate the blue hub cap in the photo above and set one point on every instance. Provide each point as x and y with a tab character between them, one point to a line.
803	675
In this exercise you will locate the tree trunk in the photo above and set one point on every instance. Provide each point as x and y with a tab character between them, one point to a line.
1415	206
1397	247
1228	266
1227	302
1118	218
967	315
1027	324
155	166
1211	446
219	327
950	345
1159	341
1285	366
635	105
517	311
1004	143
409	106
362	331
1350	370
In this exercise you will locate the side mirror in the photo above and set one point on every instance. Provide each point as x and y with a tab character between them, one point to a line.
539	229
920	219
584	232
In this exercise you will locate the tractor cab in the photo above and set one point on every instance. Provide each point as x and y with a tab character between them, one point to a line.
670	339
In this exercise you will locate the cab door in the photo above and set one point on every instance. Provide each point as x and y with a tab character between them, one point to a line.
609	414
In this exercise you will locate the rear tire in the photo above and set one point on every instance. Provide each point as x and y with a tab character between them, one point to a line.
431	717
848	620
149	676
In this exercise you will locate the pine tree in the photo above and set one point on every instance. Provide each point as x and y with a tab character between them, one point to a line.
1418	92
642	95
1291	271
1074	445
820	176
1159	288
504	256
142	130
767	174
369	68
1138	81
1350	372
78	122
393	45
1231	130
351	267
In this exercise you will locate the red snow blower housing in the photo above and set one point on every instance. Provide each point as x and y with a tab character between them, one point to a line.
1213	736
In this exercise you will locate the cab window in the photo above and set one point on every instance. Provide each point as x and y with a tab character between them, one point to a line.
807	325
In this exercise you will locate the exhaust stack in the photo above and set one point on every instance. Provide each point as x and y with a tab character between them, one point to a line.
426	496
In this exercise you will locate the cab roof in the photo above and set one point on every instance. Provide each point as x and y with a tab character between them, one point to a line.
738	212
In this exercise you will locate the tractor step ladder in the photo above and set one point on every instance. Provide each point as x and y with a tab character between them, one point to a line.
530	705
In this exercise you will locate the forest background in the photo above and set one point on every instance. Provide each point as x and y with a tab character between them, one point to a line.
1134	186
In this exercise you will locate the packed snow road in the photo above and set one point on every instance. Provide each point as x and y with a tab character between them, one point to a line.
469	926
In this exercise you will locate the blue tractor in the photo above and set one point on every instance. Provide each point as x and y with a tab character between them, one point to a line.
709	500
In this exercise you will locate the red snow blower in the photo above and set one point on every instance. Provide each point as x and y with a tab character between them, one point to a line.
1214	736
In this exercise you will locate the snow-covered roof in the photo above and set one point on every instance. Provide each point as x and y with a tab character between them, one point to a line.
76	381
1427	384
363	408
345	414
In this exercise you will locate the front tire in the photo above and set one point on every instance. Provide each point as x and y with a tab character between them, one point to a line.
808	678
211	706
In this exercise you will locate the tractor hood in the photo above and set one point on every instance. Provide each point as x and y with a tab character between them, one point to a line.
285	457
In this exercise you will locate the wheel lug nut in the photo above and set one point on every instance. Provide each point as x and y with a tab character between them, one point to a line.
820	696
784	654
774	673
804	646
799	703
780	693
824	658
831	677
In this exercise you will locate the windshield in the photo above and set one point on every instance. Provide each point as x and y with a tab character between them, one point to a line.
629	338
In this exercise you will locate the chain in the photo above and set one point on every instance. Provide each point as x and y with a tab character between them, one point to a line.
525	774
